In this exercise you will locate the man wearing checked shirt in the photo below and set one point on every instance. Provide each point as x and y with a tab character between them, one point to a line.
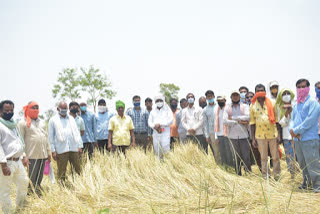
140	118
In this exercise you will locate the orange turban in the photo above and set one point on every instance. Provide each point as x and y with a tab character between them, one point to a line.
30	113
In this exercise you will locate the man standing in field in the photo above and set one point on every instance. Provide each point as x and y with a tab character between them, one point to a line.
120	130
304	130
264	130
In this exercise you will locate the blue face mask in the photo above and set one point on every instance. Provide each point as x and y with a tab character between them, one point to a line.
243	95
83	108
211	100
317	92
136	104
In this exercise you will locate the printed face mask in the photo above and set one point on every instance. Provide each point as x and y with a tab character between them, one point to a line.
302	94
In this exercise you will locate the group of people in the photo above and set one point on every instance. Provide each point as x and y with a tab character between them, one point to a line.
240	133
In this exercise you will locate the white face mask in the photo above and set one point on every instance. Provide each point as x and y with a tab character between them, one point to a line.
286	98
102	109
190	100
159	104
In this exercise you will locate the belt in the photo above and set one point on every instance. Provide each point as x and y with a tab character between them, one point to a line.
13	159
141	132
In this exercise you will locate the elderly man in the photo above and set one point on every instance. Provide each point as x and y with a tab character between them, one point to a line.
65	141
160	120
139	118
120	130
304	130
90	135
192	121
236	118
264	130
37	147
103	118
11	153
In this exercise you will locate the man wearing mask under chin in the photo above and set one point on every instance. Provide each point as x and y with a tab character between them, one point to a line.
103	117
236	118
160	120
264	130
304	130
65	141
37	146
208	126
90	134
192	121
11	161
139	118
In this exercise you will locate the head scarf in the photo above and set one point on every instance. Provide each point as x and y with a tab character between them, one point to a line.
161	97
280	102
30	113
268	104
119	104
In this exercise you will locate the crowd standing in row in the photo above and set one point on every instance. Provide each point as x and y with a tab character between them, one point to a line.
239	134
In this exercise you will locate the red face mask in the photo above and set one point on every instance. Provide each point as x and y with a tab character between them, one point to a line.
33	113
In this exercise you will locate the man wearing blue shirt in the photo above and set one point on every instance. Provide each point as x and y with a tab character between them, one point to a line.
90	123
140	118
304	130
103	118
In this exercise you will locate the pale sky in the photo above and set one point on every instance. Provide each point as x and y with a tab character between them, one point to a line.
197	45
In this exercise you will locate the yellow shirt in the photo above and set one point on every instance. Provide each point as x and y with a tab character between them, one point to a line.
121	130
259	117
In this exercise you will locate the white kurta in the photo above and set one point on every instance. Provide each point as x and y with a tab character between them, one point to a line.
161	142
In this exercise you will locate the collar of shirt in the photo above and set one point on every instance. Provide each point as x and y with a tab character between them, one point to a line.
124	116
66	117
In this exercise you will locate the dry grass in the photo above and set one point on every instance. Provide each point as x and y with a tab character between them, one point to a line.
186	181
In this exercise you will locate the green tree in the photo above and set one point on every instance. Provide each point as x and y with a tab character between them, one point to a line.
169	90
96	85
68	85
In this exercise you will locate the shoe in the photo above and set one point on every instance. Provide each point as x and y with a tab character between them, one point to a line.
305	187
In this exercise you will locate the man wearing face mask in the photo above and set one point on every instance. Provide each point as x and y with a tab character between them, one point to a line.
174	135
304	130
249	97
74	108
208	126
139	118
160	120
65	141
103	117
284	100
243	90
264	130
236	117
273	90
192	121
37	146
148	104
221	133
317	89
90	134
202	102
11	161
182	132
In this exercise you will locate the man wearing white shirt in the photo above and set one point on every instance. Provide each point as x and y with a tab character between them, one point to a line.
65	140
192	121
11	153
159	120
